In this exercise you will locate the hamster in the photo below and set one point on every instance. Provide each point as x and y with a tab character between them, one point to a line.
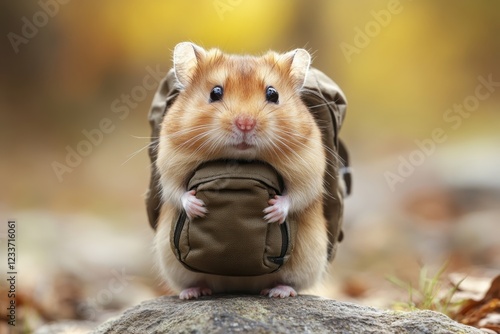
249	108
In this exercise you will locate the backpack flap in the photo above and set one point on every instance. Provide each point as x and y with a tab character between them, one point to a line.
233	239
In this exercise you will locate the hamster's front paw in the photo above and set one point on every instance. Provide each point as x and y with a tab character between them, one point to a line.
281	291
278	210
193	206
193	293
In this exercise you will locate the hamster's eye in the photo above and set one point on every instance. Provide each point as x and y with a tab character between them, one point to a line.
216	94
272	95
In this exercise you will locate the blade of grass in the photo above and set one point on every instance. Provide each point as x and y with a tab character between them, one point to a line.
426	295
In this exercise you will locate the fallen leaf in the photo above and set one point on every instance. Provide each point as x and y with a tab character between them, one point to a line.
484	313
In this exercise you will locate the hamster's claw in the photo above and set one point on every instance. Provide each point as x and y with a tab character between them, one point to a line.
278	209
193	206
195	292
279	291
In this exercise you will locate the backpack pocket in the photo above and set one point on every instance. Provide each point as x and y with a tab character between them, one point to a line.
233	239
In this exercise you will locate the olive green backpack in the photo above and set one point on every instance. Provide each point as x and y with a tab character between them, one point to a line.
233	239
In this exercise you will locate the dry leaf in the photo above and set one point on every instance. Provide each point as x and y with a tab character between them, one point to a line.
484	313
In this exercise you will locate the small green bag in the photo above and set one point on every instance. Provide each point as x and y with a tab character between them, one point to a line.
233	239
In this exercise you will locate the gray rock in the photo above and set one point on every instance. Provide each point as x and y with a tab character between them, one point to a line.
67	327
255	314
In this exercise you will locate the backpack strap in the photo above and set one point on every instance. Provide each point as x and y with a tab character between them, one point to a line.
165	95
345	170
327	103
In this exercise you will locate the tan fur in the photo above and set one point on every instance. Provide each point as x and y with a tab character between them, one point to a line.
286	136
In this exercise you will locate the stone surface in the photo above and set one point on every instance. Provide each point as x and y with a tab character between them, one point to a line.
67	327
255	314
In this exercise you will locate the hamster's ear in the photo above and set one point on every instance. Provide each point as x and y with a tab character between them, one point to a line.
186	58
300	60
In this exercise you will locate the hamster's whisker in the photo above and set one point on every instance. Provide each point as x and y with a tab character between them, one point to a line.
198	137
285	118
214	105
286	155
335	154
188	143
272	67
285	130
223	104
305	147
218	142
275	147
205	143
325	104
263	105
193	139
328	149
283	103
134	154
139	137
283	142
271	110
187	131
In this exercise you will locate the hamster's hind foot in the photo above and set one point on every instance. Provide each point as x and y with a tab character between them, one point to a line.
195	292
279	291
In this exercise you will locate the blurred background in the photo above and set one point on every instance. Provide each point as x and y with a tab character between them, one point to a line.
422	79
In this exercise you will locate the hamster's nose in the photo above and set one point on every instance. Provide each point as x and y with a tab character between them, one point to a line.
245	123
